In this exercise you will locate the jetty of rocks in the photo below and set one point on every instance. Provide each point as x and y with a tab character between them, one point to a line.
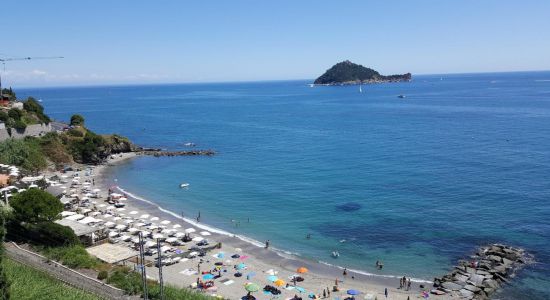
483	273
159	153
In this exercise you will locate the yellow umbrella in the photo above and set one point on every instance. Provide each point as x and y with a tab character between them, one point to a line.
302	270
279	282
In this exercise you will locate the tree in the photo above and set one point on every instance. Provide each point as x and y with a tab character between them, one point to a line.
77	120
15	113
31	105
4	283
3	116
35	205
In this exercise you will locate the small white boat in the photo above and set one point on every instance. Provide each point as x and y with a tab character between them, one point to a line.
189	144
401	96
360	89
311	85
335	254
184	185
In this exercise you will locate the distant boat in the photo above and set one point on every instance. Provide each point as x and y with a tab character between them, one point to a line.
335	254
360	89
311	85
401	96
189	144
40	100
184	185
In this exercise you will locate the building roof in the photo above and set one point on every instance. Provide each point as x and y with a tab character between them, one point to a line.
111	253
78	228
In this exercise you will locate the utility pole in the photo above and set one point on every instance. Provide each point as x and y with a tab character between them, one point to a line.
143	273
159	262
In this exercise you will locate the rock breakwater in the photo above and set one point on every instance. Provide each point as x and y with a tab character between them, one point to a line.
483	273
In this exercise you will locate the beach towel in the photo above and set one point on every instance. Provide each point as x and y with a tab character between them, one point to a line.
189	272
229	282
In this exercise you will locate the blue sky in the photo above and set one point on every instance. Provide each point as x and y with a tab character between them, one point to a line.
109	42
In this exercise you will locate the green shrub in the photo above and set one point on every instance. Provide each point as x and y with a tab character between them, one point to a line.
23	153
15	113
102	275
77	120
74	256
75	132
20	125
126	280
3	116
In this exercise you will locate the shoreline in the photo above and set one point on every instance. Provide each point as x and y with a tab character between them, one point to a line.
320	275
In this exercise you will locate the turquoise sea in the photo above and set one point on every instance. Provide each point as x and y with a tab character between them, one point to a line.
417	182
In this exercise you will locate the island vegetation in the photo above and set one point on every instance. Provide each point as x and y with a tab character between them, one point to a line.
346	72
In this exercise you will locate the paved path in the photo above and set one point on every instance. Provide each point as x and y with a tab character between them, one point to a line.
66	275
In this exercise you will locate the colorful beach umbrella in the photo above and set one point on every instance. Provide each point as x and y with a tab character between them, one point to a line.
207	276
272	278
302	270
241	266
279	282
353	292
252	287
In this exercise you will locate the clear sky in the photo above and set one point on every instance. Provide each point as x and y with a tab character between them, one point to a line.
109	42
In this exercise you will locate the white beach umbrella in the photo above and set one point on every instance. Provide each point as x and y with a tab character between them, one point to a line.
154	219
87	183
86	210
165	248
152	227
146	233
171	240
121	209
113	234
129	221
179	235
117	218
75	217
133	230
125	238
67	213
197	239
88	194
95	213
158	236
139	224
165	222
121	227
74	196
110	207
144	216
96	190
102	205
193	254
110	224
135	240
205	233
150	244
133	212
122	198
189	230
176	226
116	195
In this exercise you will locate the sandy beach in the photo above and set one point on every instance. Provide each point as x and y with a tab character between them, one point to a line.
247	257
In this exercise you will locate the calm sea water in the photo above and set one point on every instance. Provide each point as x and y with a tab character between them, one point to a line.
418	182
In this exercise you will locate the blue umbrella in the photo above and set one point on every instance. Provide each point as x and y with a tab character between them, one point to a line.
272	278
241	266
300	289
353	292
208	276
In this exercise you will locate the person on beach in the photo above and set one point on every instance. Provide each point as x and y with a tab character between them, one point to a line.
345	273
404	281
400	283
409	284
267	244
324	293
386	292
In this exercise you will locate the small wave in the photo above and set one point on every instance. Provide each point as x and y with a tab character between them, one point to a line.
542	80
373	275
282	253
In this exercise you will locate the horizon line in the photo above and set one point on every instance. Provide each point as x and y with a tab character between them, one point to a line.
123	84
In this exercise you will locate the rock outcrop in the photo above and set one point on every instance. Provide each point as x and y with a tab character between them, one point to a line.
483	273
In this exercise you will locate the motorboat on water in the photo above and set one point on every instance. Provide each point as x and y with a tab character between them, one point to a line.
335	254
184	185
401	96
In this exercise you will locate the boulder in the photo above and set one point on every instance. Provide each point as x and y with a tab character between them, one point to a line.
491	283
477	279
466	293
472	288
451	286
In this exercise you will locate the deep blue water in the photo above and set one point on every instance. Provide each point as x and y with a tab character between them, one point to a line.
416	182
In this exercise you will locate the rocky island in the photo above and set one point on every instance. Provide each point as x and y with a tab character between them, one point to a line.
347	73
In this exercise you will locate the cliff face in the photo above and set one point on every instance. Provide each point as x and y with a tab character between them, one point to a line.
347	72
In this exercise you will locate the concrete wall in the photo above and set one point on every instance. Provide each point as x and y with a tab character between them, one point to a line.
31	130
